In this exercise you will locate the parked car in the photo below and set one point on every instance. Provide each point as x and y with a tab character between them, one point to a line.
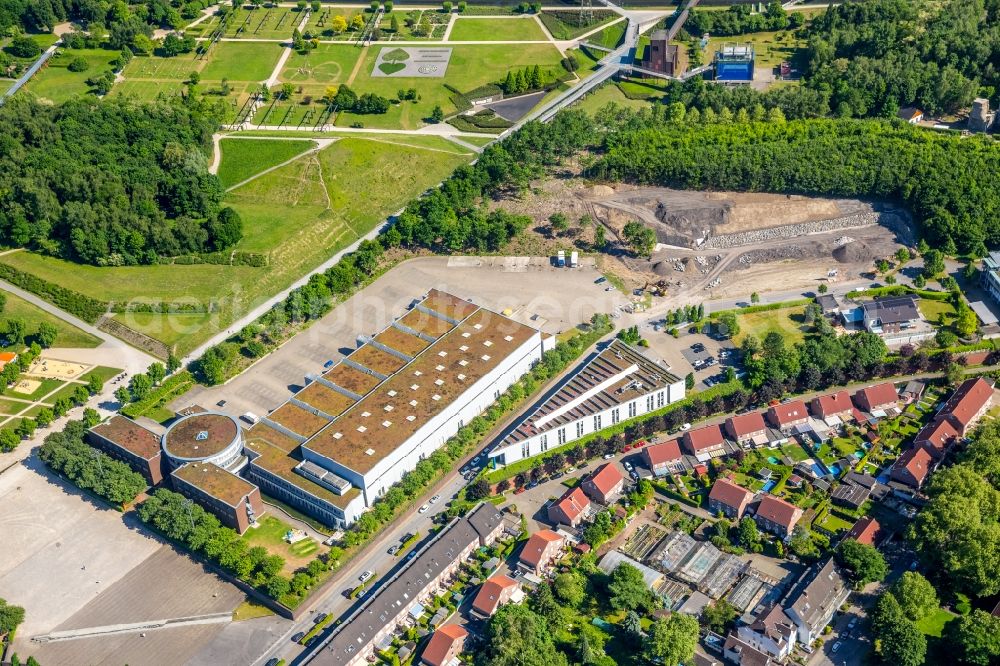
435	499
273	661
570	470
600	280
836	646
686	426
319	618
615	315
424	508
558	475
393	549
698	347
533	484
221	403
609	456
298	637
520	490
627	466
366	576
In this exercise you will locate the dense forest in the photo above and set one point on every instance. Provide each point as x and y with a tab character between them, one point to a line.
111	182
877	56
949	183
739	20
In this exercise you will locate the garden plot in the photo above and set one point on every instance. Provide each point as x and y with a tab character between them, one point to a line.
412	62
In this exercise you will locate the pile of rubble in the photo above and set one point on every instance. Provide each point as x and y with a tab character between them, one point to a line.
865	219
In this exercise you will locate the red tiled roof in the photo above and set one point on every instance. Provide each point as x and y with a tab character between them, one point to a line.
606	478
877	396
574	503
730	494
789	412
825	406
532	552
489	595
664	452
913	466
441	643
967	400
867	530
938	435
744	424
779	511
7	357
704	437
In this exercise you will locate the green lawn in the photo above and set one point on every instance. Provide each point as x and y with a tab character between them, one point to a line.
786	321
835	524
299	215
68	336
610	37
471	66
794	451
270	534
510	29
932	309
5	85
242	158
933	624
102	371
607	94
566	24
45	387
12	407
241	62
56	84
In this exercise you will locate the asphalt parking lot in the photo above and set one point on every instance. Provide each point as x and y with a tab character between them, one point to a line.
541	295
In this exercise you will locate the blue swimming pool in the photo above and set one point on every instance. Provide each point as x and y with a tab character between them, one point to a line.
834	469
767	486
817	470
773	460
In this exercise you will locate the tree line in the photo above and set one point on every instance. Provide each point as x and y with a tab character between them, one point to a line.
946	181
112	183
67	453
740	20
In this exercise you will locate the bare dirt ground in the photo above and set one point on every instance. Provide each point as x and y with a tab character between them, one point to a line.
717	244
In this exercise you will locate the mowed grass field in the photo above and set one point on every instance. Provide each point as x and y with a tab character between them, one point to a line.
55	83
32	316
242	158
786	321
510	29
607	94
471	66
242	65
299	215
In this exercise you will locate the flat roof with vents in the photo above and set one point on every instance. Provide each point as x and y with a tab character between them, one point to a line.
324	398
420	381
352	379
298	420
617	375
283	464
215	482
130	436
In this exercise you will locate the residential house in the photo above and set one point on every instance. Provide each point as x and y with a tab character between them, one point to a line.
664	458
937	437
732	500
968	404
777	516
787	415
771	632
737	652
868	531
496	591
444	646
911	114
704	443
605	484
833	408
878	398
896	319
912	467
878	490
7	357
747	428
541	549
818	596
570	509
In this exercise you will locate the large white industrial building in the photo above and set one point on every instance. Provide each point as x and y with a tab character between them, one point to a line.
344	440
618	384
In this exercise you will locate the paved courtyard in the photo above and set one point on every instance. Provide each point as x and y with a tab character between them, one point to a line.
74	565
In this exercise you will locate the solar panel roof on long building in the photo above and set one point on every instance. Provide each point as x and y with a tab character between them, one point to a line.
615	376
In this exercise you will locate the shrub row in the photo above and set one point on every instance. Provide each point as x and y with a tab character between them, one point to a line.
86	308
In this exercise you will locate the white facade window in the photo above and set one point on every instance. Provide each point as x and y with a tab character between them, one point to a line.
579	429
660	398
649	403
525	450
561	436
544	441
616	415
631	409
597	422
